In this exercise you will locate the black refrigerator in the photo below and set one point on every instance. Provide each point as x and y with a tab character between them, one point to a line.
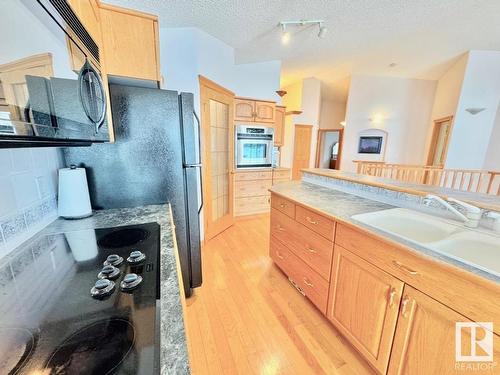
155	159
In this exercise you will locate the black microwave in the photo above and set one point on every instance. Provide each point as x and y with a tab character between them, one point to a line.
51	90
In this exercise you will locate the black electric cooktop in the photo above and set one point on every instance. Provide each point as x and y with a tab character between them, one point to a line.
86	305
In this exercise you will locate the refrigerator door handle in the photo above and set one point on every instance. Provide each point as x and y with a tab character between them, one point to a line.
199	135
201	189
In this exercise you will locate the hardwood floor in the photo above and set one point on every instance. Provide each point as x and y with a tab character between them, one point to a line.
248	319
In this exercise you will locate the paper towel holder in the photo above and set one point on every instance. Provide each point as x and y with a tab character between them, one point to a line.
73	197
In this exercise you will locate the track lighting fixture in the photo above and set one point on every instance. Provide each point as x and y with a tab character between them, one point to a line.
285	35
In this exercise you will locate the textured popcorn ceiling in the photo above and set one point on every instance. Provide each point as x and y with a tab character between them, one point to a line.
424	37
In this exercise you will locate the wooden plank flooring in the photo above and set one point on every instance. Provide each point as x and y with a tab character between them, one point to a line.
248	319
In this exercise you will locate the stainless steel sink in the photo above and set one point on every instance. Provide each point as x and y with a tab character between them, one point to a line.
474	247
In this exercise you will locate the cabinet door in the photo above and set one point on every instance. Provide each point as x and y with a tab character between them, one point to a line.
425	338
89	14
264	111
363	305
244	110
130	41
279	126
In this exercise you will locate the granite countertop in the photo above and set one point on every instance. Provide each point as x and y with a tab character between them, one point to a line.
485	201
173	351
342	206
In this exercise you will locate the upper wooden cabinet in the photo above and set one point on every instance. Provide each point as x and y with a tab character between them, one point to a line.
279	125
130	43
250	110
364	305
89	14
425	337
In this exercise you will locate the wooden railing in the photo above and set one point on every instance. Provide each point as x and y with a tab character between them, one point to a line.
477	181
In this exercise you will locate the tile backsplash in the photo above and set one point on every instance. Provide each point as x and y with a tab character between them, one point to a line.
28	192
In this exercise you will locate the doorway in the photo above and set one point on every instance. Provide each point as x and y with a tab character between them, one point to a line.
301	150
441	135
217	120
329	148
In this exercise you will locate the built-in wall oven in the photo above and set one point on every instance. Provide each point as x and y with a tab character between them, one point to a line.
254	146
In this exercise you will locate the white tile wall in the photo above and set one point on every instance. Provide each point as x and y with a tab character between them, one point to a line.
28	189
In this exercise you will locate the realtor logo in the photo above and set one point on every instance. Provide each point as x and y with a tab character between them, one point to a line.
474	342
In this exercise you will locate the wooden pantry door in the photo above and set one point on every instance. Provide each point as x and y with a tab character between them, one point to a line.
217	119
301	150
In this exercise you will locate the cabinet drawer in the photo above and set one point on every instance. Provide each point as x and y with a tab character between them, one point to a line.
316	222
313	285
451	286
255	175
309	246
281	174
252	188
280	181
251	205
283	205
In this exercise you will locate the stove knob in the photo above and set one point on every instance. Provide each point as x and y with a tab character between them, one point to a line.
130	281
113	260
102	288
109	272
136	257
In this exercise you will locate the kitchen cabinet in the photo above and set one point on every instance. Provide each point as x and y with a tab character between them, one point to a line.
279	125
281	175
424	326
89	14
364	305
251	190
130	43
252	110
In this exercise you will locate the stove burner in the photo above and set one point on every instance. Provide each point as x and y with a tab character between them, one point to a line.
16	347
130	281
123	237
98	348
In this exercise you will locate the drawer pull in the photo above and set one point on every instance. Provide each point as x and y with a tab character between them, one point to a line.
307	282
311	250
279	255
404	306
280	228
404	268
282	205
392	295
311	221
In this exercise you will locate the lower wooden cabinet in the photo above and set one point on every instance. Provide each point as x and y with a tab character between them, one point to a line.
425	338
364	305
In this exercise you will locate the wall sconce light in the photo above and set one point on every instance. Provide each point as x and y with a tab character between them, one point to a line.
474	111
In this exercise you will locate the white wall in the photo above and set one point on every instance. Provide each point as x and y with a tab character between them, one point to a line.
472	133
304	95
492	160
405	107
28	185
188	52
332	113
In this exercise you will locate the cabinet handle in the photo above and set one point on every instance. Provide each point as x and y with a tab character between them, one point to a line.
280	228
392	295
307	282
282	205
279	255
404	268
404	306
311	250
311	220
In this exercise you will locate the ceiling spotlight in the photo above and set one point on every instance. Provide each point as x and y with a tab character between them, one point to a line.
322	30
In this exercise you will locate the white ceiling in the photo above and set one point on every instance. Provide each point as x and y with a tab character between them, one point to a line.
423	37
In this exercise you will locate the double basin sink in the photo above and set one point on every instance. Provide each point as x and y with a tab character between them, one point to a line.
474	247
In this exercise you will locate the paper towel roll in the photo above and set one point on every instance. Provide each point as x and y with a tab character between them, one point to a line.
74	200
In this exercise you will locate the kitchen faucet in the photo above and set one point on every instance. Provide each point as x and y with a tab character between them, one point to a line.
472	213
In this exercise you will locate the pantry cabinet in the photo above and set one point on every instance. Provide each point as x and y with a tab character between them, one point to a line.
425	337
279	125
364	305
130	43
